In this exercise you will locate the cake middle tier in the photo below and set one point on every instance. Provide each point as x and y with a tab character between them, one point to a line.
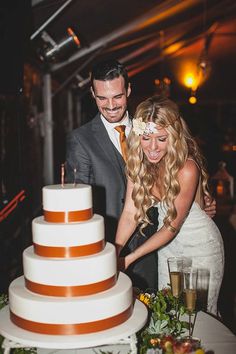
70	276
68	239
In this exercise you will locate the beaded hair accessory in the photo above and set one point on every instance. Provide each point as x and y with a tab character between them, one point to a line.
143	128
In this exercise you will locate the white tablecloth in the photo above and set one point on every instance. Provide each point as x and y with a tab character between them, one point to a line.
215	337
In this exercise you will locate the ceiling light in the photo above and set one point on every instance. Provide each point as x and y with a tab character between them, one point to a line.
52	50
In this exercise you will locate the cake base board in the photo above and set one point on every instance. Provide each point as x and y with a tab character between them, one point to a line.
30	339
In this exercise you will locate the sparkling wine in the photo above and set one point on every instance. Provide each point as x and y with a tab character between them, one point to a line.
175	281
190	299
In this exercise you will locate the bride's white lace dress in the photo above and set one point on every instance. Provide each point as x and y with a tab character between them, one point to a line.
199	239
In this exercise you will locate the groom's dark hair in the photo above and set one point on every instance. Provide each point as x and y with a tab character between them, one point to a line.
108	70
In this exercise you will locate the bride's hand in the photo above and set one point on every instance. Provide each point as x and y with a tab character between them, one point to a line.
124	262
129	259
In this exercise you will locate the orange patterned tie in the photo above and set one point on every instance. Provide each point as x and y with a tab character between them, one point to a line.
123	144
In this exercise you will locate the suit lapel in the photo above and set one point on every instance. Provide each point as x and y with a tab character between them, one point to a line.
104	142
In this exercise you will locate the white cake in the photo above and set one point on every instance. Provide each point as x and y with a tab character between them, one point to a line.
70	283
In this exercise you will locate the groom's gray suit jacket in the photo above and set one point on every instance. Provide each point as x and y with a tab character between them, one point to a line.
98	163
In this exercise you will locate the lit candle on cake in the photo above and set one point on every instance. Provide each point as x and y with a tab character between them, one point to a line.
74	177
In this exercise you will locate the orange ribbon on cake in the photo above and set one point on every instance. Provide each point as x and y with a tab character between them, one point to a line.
67	291
70	329
68	252
68	216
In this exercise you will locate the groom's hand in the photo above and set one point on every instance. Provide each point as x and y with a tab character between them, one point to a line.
210	206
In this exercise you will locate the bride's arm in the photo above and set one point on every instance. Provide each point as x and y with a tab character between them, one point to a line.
188	179
127	224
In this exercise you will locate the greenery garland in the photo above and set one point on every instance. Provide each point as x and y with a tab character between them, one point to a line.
166	330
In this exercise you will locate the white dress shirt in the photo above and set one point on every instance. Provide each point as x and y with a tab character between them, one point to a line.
114	135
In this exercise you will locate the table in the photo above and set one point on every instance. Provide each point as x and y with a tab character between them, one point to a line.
215	337
122	335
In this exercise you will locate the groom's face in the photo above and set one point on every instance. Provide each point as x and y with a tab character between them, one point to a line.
111	98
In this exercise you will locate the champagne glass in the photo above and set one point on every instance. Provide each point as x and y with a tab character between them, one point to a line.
175	266
190	292
203	278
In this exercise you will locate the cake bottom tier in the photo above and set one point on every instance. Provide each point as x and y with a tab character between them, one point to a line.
68	316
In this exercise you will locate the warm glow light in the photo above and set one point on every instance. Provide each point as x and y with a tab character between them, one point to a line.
228	147
167	81
220	188
171	49
187	74
192	99
190	80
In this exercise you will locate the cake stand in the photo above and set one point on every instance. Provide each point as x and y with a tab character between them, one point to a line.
17	337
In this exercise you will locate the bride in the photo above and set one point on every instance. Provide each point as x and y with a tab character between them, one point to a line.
165	168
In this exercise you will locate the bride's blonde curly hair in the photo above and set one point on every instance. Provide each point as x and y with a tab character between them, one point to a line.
181	145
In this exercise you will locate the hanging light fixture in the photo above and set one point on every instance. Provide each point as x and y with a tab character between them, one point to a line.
52	50
204	65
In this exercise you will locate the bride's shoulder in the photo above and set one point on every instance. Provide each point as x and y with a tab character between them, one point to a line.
189	170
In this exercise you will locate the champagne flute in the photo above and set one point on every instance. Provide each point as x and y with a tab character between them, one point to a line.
175	266
190	292
203	279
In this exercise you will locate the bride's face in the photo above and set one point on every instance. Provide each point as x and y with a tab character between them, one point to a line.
155	145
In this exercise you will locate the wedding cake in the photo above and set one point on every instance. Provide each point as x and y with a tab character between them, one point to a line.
70	283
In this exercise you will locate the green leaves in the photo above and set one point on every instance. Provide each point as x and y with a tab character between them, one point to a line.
165	319
3	300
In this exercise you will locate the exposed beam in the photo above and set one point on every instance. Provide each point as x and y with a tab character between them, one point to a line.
50	19
159	13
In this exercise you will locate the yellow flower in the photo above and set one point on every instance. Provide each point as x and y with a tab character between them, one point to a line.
145	298
199	351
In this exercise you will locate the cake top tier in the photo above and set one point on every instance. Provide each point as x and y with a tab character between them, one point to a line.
66	198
